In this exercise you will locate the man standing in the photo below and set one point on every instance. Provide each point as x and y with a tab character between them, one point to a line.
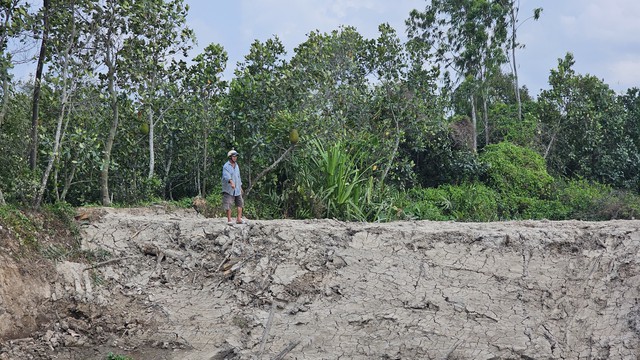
232	187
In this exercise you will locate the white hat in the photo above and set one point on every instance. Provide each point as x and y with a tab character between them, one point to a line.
232	153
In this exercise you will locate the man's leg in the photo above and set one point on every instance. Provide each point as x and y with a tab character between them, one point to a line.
239	204
227	200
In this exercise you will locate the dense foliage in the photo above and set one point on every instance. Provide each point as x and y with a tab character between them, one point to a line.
434	127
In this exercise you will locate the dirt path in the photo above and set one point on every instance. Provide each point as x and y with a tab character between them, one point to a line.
180	286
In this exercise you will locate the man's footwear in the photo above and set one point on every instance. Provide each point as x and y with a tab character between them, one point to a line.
243	221
230	223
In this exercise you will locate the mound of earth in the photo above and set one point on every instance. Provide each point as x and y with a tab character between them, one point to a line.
176	285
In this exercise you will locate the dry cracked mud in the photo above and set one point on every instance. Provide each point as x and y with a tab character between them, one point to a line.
178	285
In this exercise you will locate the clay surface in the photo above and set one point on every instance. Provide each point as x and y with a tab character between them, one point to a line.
177	285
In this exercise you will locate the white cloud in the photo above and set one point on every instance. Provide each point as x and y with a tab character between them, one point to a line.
342	8
601	34
624	74
612	20
291	21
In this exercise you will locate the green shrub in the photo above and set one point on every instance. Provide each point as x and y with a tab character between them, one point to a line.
621	204
215	199
184	203
20	226
112	356
532	208
424	210
465	202
265	205
507	126
516	171
470	202
210	207
581	197
334	182
64	212
589	200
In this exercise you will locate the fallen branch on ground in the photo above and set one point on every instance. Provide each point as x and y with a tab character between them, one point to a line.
286	350
108	262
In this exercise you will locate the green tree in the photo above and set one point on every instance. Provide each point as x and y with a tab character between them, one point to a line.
80	156
109	17
35	103
14	18
69	64
512	44
206	88
330	72
258	95
631	102
15	176
405	104
469	38
159	32
584	129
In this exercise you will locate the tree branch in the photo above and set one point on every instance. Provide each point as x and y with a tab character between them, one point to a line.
268	169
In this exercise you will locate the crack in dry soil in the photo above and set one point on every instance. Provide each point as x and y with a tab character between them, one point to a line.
181	286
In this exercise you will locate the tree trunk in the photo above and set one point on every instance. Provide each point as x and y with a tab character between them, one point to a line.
106	160
395	150
516	86
474	121
196	179
67	181
268	169
64	98
152	152
3	113
167	170
551	141
54	155
33	151
5	97
55	180
203	193
486	120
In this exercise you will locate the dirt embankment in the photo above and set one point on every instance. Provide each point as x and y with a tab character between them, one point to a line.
181	286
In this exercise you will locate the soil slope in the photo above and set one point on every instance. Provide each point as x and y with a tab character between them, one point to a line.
177	285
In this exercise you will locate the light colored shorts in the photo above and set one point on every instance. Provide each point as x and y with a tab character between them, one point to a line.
228	200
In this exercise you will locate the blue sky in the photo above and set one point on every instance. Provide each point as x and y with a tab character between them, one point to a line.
602	34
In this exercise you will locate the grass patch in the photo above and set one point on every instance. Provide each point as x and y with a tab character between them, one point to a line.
112	356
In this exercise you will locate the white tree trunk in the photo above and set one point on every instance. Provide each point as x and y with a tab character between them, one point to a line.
152	157
474	120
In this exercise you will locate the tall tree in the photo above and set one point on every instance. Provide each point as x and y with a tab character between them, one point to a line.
259	92
33	151
468	37
14	18
330	71
159	35
69	64
206	87
110	25
405	101
584	129
631	102
513	45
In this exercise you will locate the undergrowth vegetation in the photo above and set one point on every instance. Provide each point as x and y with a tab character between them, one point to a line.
342	182
338	182
50	233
